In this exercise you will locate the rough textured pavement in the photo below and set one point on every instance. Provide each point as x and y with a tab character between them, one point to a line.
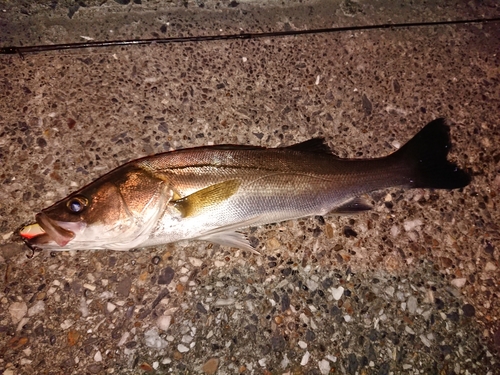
408	288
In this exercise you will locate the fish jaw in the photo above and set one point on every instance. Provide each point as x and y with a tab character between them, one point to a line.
47	232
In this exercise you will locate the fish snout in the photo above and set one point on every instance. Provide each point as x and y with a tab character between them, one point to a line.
47	230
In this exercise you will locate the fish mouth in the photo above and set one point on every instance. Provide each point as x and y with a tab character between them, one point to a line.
47	230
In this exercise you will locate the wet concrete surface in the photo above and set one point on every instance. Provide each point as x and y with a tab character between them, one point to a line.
410	287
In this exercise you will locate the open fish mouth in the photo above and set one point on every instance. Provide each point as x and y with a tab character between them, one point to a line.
47	230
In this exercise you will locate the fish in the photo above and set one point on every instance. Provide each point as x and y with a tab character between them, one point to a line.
211	193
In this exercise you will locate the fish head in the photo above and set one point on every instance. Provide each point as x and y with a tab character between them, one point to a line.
118	211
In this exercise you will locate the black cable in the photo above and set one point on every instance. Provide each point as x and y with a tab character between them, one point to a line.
114	43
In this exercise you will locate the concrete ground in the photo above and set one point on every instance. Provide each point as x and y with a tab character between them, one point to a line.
408	288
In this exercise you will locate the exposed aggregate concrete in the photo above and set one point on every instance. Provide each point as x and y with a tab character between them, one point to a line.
408	288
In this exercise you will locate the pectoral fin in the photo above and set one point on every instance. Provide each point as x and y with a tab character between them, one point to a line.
205	198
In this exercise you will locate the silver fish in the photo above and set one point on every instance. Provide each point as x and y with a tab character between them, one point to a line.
209	193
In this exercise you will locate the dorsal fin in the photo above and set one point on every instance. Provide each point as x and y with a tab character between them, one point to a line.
314	145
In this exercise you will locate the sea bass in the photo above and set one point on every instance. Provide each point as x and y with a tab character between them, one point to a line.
209	193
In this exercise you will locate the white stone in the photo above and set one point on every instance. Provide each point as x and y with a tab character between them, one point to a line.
458	283
390	290
153	339
195	261
394	231
425	340
187	339
412	304
324	366
410	225
331	358
37	308
124	338
225	302
182	348
110	307
305	359
302	344
90	287
490	267
163	322
312	285
17	310
337	292
98	356
409	330
66	324
22	323
284	362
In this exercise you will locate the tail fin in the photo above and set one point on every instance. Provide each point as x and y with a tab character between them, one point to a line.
425	154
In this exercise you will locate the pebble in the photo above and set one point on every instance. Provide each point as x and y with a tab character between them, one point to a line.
182	348
412	224
409	330
412	304
90	287
73	337
187	339
337	292
153	339
123	287
17	311
469	310
490	267
225	301
98	356
324	366
94	369
390	291
110	307
425	340
163	322
195	262
312	285
210	366
37	308
459	282
305	358
166	276
273	244
302	344
66	324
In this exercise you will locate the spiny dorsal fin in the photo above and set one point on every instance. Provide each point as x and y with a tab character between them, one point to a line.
206	198
314	145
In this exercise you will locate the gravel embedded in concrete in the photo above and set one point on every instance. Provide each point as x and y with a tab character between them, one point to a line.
409	287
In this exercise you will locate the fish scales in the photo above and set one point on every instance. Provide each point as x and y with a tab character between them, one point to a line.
209	193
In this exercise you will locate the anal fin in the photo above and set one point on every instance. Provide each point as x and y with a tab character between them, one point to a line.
353	206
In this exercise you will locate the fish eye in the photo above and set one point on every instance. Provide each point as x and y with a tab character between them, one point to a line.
77	204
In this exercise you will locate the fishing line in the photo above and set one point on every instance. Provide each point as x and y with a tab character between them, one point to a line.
116	43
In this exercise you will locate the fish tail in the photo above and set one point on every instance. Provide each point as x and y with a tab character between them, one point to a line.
426	156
